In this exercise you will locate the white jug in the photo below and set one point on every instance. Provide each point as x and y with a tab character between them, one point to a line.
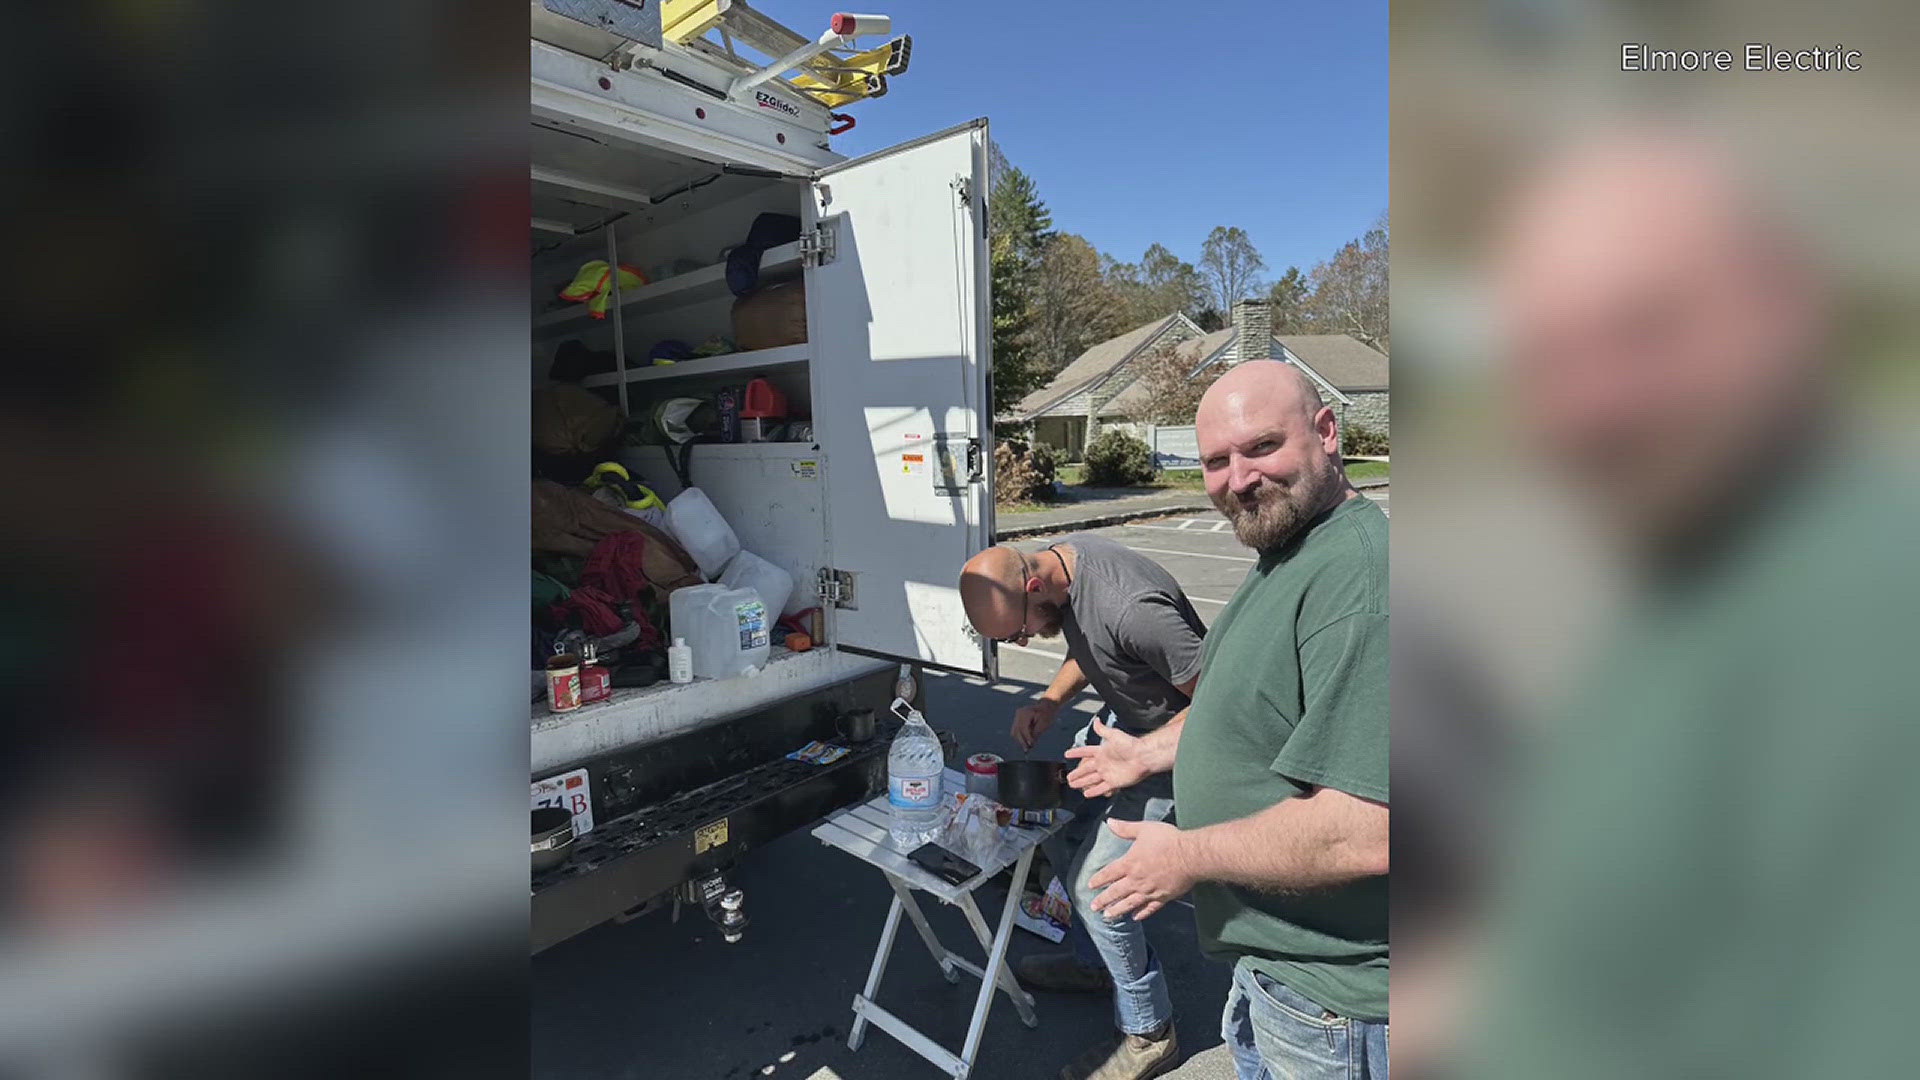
774	584
702	531
727	629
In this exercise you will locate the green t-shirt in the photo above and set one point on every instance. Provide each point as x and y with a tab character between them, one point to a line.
1714	871
1293	695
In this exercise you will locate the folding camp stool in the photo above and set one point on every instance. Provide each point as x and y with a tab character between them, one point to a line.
861	831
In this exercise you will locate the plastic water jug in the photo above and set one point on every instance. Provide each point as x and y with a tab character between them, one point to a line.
727	629
916	803
773	583
703	532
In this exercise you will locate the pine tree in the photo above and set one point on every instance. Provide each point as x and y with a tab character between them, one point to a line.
1019	226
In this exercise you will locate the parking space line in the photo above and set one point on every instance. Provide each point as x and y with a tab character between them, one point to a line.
1034	651
1206	599
1194	554
1161	528
1189	523
1217	526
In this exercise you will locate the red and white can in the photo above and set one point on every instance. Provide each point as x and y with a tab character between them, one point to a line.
983	775
563	682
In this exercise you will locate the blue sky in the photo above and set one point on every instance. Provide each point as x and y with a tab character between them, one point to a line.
1141	123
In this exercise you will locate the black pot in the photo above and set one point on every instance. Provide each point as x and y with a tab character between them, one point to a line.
1031	785
552	837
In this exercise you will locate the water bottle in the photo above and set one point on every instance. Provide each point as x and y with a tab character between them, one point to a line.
914	765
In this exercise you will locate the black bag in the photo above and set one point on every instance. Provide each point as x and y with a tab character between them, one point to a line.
743	262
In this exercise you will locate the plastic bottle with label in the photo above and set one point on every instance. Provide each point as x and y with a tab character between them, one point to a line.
679	661
917	810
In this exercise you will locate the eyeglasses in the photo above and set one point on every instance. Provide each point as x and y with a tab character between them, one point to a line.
1026	606
1026	600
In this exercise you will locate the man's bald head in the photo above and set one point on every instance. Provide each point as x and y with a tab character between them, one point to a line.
993	592
1260	385
1269	450
1662	332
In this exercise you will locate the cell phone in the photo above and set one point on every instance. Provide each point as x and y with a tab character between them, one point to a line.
943	864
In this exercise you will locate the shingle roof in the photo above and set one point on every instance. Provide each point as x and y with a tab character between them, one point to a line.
1347	362
1192	350
1091	366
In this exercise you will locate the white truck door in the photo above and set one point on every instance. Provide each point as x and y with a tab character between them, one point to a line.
901	341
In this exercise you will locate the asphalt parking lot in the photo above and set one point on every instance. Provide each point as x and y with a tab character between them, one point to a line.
652	1000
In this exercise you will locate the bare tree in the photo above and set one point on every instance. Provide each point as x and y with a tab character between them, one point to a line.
1169	397
1230	265
1160	284
1350	289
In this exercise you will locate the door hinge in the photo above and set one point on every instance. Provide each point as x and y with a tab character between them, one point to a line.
818	245
836	587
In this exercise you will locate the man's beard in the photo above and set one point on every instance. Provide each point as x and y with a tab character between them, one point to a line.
1273	515
1049	620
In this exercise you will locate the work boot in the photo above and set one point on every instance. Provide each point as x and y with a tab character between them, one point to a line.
1133	1057
1062	971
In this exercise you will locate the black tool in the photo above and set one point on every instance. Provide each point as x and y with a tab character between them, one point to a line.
944	864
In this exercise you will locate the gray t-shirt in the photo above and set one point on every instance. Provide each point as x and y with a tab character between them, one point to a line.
1137	639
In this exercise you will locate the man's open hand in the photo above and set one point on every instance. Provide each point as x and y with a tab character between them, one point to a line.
1154	872
1115	762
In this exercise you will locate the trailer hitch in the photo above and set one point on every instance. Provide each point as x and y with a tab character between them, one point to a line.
724	906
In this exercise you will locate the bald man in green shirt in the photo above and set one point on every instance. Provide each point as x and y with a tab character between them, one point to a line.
1280	763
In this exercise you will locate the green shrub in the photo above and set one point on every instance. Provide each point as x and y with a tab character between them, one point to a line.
1022	474
1361	439
1045	460
1116	458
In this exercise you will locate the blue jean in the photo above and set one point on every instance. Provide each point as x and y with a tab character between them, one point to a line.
1275	1033
1140	1000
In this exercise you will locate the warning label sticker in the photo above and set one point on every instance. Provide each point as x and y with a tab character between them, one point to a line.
913	464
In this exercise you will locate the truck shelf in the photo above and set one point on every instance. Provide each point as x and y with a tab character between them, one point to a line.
706	283
644	714
759	361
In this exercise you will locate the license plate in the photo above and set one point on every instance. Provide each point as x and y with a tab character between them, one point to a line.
572	791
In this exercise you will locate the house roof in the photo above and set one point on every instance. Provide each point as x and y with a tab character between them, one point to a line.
1192	350
1095	364
1347	362
1343	363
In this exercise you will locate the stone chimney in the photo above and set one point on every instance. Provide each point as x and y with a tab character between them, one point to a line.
1253	319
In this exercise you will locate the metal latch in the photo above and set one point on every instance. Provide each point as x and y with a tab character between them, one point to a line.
818	245
958	463
836	587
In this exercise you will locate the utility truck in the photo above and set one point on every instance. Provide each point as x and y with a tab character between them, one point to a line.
657	140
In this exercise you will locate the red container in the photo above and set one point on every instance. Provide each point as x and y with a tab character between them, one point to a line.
983	775
563	683
764	401
596	683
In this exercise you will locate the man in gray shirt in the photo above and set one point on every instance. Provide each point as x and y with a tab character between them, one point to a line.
1134	636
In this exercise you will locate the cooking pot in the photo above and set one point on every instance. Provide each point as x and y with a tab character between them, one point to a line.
1031	785
552	837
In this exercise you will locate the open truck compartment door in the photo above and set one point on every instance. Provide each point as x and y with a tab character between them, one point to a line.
897	312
